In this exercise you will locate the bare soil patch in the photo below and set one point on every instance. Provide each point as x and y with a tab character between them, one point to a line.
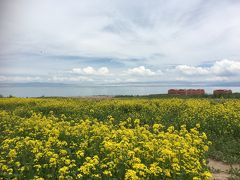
223	171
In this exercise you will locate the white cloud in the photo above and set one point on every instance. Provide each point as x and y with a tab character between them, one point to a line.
191	70
20	78
77	70
183	33
217	78
220	71
89	70
141	70
67	79
102	71
223	67
226	67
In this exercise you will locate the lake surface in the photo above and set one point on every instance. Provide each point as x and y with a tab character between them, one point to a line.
95	90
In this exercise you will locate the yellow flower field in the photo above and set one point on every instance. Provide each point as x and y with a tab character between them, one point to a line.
113	139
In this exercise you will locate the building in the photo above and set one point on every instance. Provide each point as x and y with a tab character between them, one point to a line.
222	91
172	91
186	91
195	91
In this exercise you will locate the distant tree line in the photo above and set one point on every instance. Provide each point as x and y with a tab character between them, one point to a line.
10	96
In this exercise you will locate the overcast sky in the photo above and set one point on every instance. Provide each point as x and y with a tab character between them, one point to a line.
115	41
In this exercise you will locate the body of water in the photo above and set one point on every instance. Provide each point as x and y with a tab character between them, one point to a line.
95	90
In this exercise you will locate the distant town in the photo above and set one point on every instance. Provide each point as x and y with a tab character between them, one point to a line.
198	92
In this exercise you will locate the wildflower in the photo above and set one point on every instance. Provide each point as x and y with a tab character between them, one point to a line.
131	175
80	154
12	153
17	163
205	148
207	174
107	172
63	170
67	161
167	172
63	152
53	161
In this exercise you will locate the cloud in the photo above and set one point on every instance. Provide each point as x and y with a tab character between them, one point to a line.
20	79
217	78
223	67
191	70
186	33
67	79
141	70
219	71
77	70
89	70
109	41
102	71
226	67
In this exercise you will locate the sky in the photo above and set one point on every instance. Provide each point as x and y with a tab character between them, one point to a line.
119	41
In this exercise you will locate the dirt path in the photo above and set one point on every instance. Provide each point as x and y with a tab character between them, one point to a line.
221	170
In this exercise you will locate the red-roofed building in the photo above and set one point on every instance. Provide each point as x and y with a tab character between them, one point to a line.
186	91
195	91
222	91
